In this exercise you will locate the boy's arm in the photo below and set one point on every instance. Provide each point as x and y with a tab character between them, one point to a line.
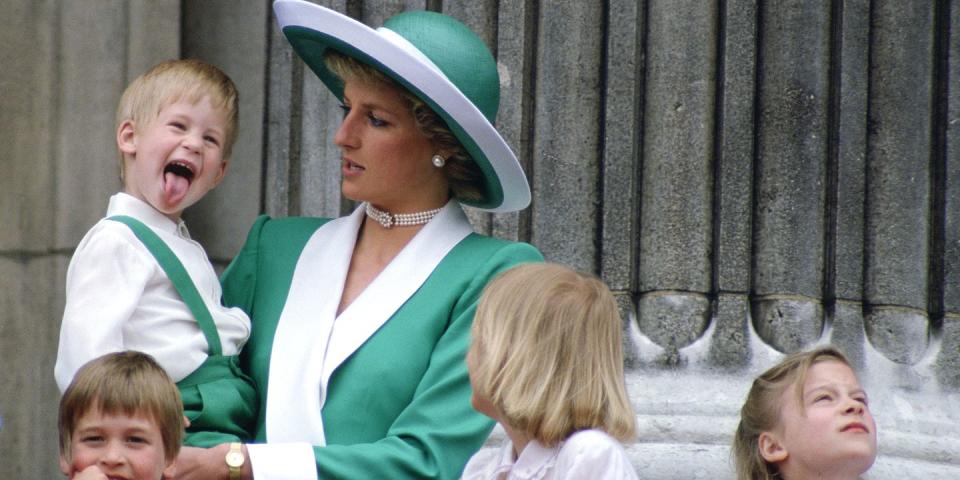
105	281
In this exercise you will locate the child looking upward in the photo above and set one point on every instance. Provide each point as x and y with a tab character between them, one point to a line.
137	281
121	417
806	417
545	361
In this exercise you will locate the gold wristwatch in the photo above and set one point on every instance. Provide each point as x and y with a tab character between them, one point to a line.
235	460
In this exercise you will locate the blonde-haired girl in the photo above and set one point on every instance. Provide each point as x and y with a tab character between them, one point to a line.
545	361
807	417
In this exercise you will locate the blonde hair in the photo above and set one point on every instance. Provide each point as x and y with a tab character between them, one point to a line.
546	351
129	383
761	411
171	81
463	175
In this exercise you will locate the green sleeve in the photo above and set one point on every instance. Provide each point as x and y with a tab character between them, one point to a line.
438	430
239	279
257	281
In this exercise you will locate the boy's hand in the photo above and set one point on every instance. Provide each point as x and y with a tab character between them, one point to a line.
90	473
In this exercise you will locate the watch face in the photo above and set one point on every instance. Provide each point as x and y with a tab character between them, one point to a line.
234	459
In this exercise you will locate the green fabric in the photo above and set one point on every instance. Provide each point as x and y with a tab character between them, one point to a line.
399	407
217	397
220	401
470	66
241	281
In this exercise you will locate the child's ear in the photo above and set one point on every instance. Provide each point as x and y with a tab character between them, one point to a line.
126	137
223	171
170	471
64	466
771	448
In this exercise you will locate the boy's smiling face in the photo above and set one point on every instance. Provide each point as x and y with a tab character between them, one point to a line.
119	446
174	160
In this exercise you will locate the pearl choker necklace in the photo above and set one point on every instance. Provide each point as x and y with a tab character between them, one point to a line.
389	220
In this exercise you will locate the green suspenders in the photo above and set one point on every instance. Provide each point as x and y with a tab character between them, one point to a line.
218	398
178	275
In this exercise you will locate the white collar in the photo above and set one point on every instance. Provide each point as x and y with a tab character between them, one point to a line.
533	462
315	341
126	204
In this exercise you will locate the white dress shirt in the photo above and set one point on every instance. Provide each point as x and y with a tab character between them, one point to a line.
119	298
587	454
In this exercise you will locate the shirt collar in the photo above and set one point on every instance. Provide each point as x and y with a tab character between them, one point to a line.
535	459
532	463
126	204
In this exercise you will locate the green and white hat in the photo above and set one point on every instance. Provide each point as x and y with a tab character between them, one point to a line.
436	58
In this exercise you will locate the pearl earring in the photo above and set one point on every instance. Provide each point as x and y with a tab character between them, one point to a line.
438	161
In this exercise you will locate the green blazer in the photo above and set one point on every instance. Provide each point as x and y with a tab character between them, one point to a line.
396	398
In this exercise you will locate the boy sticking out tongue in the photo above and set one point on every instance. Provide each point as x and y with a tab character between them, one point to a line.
137	281
173	160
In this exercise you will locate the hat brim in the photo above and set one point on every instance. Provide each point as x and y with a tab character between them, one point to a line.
312	29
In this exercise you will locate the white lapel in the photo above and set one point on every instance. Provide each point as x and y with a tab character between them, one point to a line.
296	357
394	285
311	342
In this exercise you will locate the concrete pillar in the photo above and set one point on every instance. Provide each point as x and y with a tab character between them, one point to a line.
733	185
898	179
65	65
846	179
232	36
789	200
676	189
948	360
515	45
566	113
621	163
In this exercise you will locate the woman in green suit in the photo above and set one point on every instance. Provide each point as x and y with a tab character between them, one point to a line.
360	324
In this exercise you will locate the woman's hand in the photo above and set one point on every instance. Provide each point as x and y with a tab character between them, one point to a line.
208	463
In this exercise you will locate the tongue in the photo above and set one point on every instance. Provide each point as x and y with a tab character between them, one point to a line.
174	187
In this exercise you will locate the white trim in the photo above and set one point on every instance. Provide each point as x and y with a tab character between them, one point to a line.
282	461
294	399
394	285
311	342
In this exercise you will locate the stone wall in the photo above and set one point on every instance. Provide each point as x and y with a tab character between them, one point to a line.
750	178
